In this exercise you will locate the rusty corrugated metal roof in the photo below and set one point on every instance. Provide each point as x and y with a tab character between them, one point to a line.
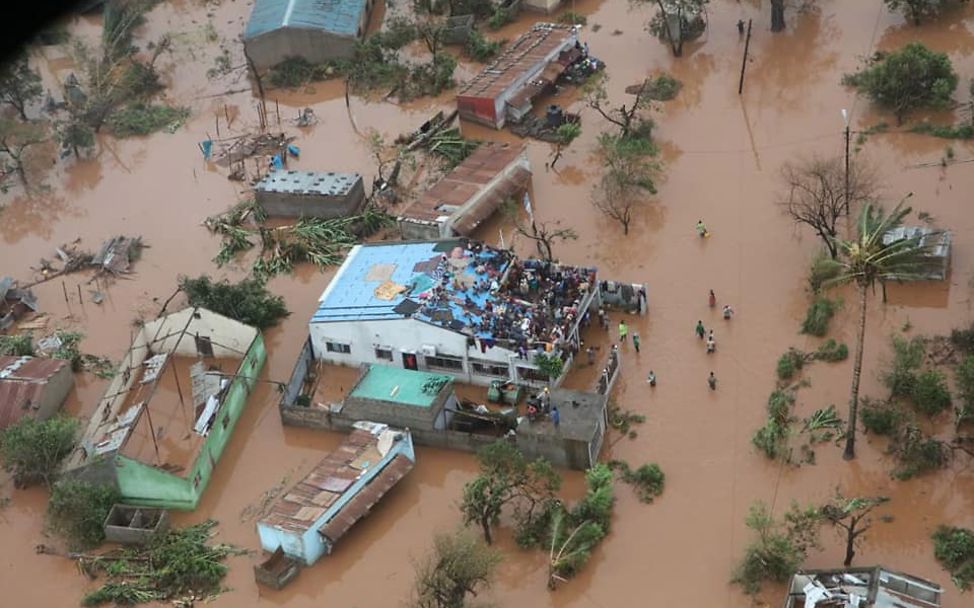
523	55
465	180
308	500
359	507
22	381
508	187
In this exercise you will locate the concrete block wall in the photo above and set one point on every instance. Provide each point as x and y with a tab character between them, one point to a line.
287	204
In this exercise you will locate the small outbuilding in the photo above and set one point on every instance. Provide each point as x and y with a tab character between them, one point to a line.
527	67
310	194
401	397
314	30
14	302
32	386
314	514
469	194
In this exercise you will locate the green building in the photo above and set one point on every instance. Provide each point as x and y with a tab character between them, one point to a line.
170	410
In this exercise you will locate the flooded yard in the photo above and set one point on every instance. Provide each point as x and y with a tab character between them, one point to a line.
722	153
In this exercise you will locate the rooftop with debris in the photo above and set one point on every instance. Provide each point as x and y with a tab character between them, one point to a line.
520	56
309	182
871	587
468	180
580	416
337	16
333	477
461	285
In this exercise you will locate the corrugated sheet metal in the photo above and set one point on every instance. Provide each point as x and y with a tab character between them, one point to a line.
359	507
337	16
22	382
508	187
527	53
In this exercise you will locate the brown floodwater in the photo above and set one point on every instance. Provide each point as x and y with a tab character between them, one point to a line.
722	155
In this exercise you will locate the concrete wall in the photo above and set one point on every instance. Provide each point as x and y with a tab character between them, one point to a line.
55	391
396	414
415	230
406	336
561	452
541	6
286	204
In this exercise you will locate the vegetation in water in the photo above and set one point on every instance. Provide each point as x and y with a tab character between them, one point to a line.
77	512
181	563
33	449
820	312
17	345
247	301
143	119
481	49
459	566
647	480
772	438
954	549
780	547
623	420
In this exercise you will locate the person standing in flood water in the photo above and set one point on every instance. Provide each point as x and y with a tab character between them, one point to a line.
651	378
623	331
712	299
728	311
712	381
701	331
635	340
702	229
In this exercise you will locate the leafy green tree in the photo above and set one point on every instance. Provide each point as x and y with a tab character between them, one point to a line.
954	549
19	84
628	177
77	511
678	21
780	548
852	517
911	78
32	449
574	534
918	10
459	566
508	480
549	365
16	139
865	261
248	301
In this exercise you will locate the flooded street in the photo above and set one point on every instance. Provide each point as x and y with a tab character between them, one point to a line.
722	155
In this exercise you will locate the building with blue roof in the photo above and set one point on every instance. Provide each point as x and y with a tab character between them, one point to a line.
452	306
314	30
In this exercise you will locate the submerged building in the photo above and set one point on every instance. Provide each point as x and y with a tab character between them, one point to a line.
314	514
469	194
935	245
452	306
872	587
314	30
32	387
527	67
310	194
171	408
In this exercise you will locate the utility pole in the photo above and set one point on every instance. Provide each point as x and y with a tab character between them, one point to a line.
747	46
848	133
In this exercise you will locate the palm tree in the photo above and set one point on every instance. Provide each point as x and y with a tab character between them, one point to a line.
865	261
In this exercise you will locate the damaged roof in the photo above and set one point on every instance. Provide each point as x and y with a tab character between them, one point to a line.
468	180
522	56
336	16
875	587
22	381
333	477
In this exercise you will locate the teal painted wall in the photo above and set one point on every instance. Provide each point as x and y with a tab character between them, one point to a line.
145	485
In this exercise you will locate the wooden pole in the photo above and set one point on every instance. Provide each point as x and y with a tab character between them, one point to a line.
747	46
65	289
80	301
226	113
848	135
277	108
179	390
217	117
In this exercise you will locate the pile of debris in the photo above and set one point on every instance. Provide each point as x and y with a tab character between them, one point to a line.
233	150
545	128
115	257
14	302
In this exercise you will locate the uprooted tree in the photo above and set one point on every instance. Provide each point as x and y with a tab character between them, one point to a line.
508	480
816	194
543	234
851	516
780	548
628	178
33	449
459	566
248	301
908	79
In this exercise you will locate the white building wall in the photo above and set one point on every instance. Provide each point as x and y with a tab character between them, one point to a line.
404	336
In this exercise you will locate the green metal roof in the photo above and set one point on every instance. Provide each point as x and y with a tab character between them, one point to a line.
396	385
337	16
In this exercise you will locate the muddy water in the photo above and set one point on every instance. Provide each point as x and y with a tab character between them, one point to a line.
722	153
